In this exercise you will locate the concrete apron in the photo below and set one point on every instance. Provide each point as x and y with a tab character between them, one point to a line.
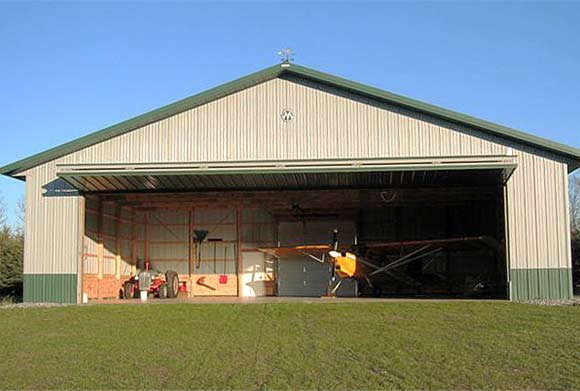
264	300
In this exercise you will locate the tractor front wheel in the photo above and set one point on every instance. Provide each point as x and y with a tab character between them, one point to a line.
172	281
163	291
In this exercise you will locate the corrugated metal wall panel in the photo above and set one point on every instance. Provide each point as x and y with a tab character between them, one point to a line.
299	233
546	283
537	213
258	229
50	288
53	223
108	266
215	257
327	124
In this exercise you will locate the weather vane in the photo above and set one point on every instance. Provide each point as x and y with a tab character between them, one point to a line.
287	55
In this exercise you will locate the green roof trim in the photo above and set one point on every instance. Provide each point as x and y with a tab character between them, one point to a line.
276	71
141	120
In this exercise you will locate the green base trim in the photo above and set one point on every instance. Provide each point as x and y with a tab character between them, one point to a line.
50	288
532	284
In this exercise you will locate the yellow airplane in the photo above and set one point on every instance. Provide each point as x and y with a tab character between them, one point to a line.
346	264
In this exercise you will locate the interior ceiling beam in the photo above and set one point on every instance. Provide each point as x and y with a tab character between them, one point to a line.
165	196
330	201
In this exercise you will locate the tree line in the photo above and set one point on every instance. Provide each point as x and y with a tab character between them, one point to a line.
11	253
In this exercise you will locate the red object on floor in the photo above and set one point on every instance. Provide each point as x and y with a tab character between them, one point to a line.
223	279
183	287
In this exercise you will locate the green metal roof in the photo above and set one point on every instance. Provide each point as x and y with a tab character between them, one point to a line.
276	71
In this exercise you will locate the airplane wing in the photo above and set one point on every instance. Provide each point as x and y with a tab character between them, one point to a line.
286	251
445	243
316	252
418	249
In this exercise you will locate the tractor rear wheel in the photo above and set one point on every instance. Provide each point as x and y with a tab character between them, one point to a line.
128	290
172	281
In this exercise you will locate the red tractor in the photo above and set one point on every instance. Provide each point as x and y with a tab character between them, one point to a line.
155	283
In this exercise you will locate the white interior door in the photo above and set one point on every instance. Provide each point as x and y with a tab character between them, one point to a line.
253	274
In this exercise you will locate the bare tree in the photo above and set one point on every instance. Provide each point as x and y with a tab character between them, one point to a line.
2	212
20	215
574	188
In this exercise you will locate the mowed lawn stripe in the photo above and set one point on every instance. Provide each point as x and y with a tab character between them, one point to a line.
403	345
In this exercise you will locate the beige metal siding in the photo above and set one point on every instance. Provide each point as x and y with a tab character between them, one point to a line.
327	124
53	224
538	214
247	126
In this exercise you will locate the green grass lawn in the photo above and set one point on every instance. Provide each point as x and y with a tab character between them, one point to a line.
430	345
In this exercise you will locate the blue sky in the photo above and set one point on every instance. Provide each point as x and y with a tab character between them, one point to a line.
67	69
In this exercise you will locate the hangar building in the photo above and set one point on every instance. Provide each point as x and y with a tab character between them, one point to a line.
240	189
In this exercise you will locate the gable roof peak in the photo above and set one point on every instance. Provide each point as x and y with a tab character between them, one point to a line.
14	169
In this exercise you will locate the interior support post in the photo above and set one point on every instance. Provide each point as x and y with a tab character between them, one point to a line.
191	257
146	239
507	243
118	242
100	246
82	250
133	243
239	249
